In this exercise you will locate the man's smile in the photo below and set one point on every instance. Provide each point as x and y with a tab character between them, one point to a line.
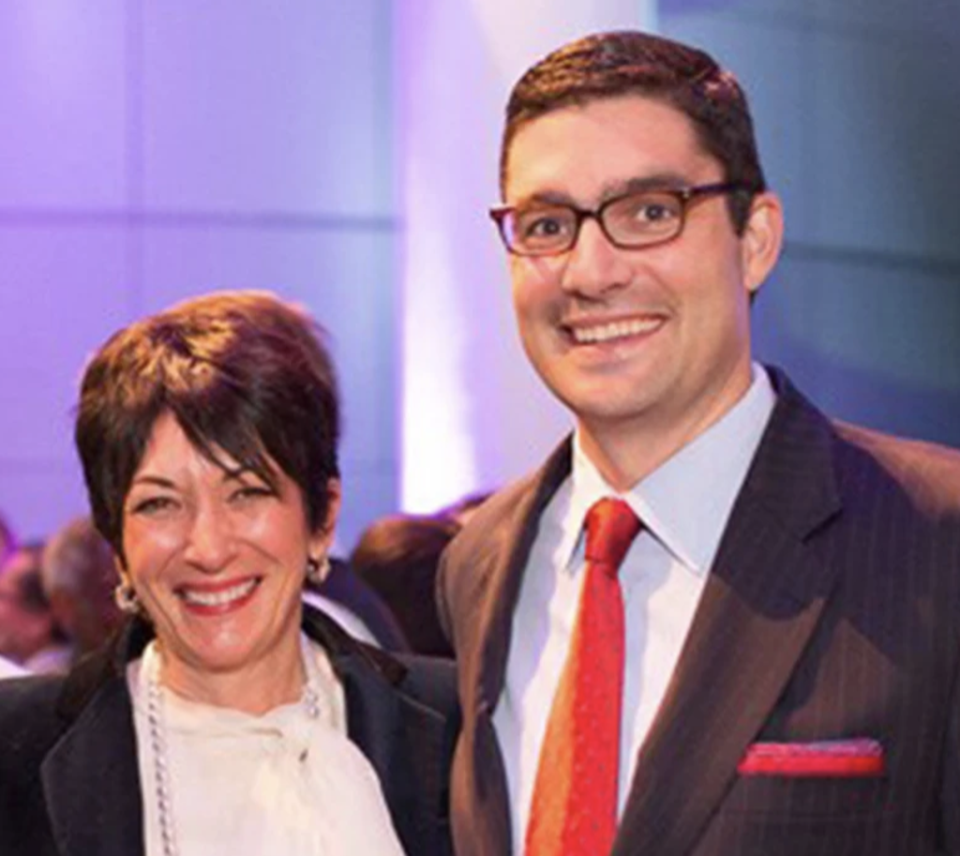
608	331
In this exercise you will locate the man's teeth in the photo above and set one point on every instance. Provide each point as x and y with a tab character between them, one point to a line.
218	598
615	330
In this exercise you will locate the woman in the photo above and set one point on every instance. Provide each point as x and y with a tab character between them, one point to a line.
227	718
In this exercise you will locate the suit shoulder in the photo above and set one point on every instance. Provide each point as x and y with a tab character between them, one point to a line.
498	510
929	472
502	504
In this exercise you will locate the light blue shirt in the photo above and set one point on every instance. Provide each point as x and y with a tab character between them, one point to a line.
684	506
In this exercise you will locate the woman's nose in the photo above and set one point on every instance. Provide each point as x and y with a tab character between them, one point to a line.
211	540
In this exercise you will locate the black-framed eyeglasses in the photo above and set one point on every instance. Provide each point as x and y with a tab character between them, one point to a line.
641	218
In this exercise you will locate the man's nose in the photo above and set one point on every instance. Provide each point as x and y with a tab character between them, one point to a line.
594	265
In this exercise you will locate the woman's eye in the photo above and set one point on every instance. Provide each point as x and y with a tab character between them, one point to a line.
153	505
250	492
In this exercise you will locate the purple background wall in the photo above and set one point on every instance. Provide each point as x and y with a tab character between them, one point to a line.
857	104
150	151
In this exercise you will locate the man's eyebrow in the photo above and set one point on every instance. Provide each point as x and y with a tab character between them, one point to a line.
667	180
545	197
657	181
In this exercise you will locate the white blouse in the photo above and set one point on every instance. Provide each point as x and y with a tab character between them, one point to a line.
285	782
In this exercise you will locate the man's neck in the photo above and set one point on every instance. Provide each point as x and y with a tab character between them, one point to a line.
628	450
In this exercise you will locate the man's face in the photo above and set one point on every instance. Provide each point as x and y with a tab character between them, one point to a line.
23	632
654	339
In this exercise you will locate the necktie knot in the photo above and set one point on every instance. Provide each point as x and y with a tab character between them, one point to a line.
611	528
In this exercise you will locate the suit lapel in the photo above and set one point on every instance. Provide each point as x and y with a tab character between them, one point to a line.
505	574
497	560
91	781
762	601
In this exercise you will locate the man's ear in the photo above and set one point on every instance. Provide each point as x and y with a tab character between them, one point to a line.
762	239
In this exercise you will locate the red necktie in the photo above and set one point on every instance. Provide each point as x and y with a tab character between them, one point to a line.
574	806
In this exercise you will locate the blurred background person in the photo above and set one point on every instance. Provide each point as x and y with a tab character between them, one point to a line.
79	578
397	556
8	540
29	633
228	718
8	669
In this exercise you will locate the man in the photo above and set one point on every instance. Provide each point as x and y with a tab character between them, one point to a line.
397	556
787	645
79	577
29	633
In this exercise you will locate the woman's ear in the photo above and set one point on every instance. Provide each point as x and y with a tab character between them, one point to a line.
121	567
762	239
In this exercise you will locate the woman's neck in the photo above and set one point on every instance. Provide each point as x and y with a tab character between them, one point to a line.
255	688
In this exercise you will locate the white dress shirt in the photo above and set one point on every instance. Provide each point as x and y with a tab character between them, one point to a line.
684	506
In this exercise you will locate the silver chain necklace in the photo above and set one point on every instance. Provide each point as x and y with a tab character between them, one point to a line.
157	737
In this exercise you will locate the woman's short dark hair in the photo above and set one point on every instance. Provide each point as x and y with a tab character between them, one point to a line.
243	373
607	65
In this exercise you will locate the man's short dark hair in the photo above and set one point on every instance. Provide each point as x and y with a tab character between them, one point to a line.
608	65
243	373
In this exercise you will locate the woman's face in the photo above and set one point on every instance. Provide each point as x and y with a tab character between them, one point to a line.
217	559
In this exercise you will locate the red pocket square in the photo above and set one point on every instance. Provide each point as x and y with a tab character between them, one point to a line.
837	758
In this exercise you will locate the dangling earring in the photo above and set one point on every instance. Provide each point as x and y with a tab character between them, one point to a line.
318	569
125	597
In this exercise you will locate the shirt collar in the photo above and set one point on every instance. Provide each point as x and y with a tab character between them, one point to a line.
686	501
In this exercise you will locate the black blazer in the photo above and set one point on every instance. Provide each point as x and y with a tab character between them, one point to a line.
832	611
69	784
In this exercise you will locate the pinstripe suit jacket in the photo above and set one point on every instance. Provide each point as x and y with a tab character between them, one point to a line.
832	611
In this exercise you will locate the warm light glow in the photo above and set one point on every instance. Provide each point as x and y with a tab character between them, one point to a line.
473	414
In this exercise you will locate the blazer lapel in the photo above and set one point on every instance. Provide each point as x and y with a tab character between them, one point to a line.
411	769
762	601
91	781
